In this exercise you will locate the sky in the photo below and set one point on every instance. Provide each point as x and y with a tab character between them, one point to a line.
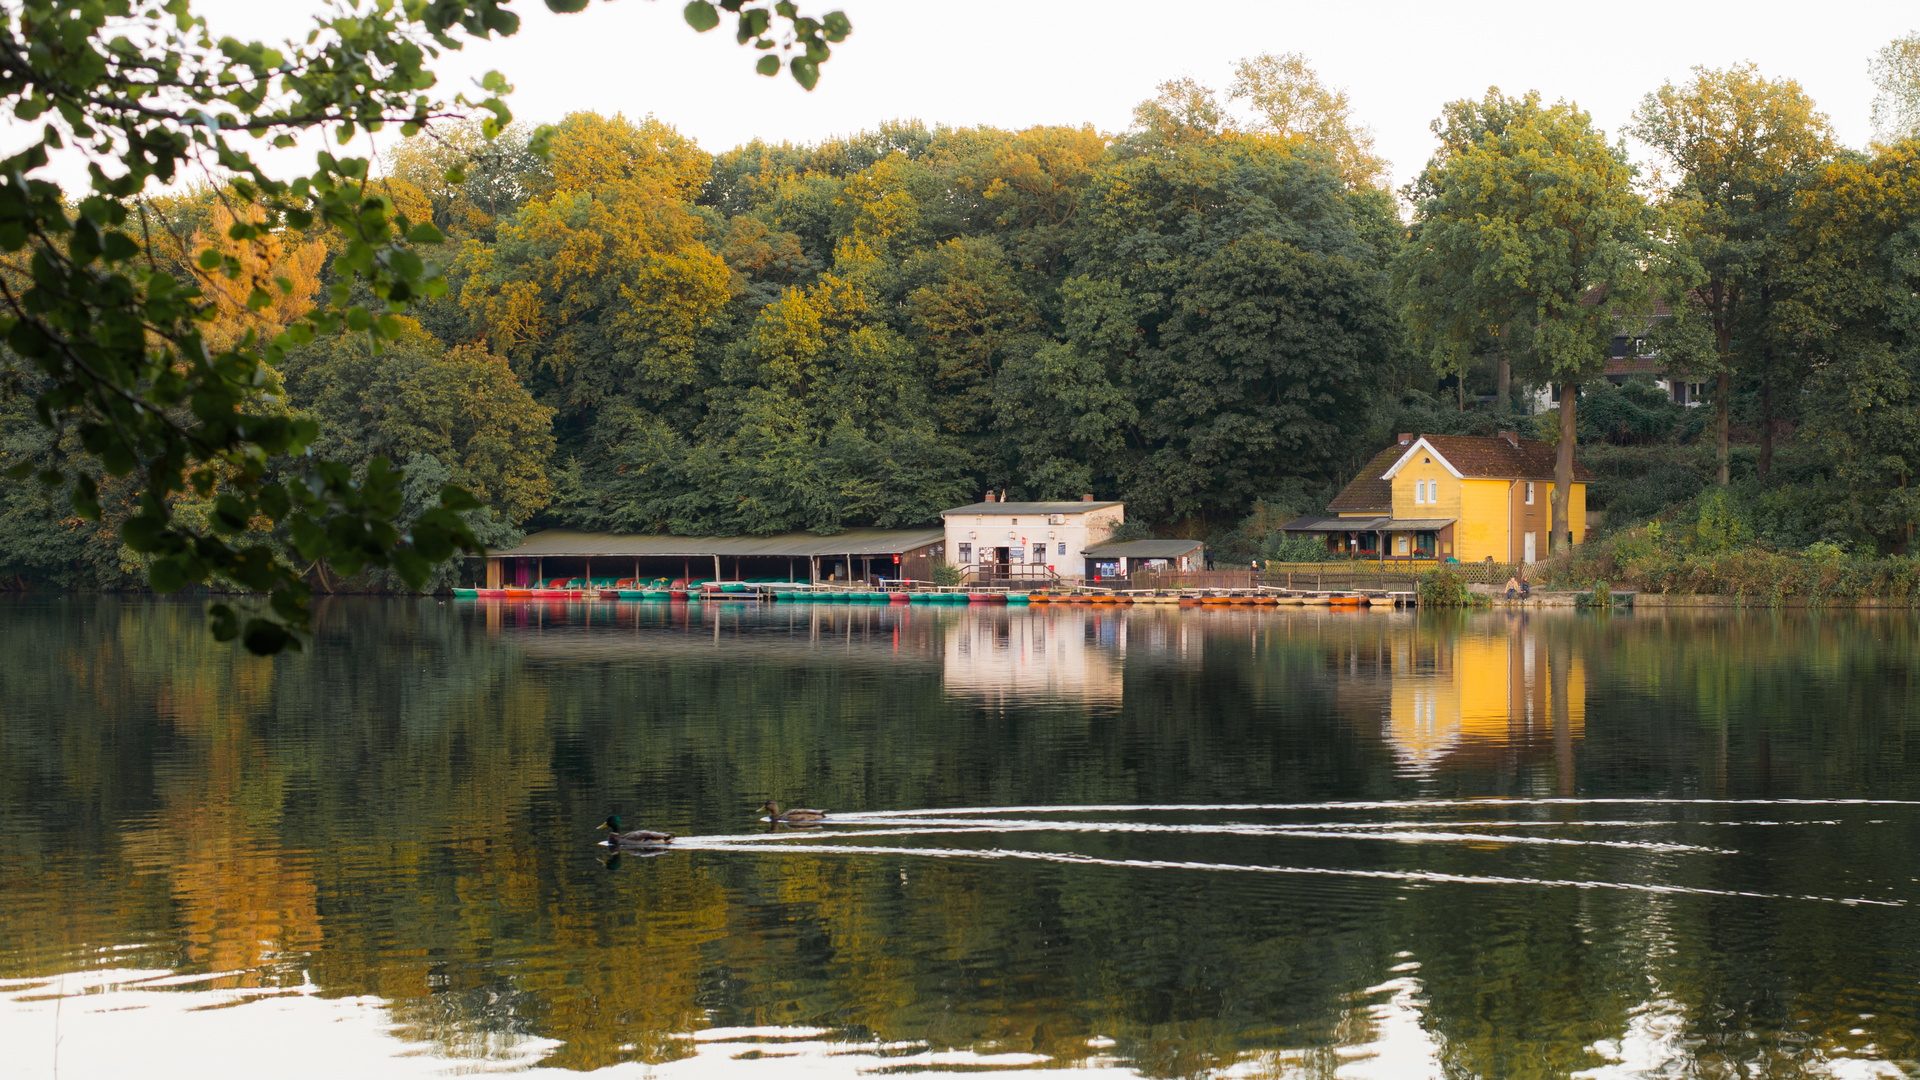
1017	63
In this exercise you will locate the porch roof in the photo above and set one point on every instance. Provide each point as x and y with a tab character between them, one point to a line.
1360	524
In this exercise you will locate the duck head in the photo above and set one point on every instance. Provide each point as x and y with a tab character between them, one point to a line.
612	822
772	808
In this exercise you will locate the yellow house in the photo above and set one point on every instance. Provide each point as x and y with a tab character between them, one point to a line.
1458	497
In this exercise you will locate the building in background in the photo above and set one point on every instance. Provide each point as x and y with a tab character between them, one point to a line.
991	539
1462	497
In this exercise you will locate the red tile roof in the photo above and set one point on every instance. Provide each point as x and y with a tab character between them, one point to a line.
1483	457
1477	457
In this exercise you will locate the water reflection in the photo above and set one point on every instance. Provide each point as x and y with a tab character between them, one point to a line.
1149	842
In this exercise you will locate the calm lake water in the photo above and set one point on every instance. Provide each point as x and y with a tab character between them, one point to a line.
1158	842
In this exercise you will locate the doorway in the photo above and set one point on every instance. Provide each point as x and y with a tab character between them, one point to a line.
1527	548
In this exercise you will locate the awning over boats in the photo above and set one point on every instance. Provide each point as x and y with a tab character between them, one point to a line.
1145	549
1365	524
565	543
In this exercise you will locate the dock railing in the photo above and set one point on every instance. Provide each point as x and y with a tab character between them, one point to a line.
1339	576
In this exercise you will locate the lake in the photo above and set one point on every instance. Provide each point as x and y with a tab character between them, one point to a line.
1125	842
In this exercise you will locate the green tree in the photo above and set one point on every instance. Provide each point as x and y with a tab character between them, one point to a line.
1289	100
1741	144
1855	313
1526	226
1244	340
1895	70
130	372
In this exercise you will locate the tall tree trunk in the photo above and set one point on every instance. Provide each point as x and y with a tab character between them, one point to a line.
1723	408
1503	381
1460	389
1562	537
1766	426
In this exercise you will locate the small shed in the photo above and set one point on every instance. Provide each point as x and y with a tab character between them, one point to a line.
1118	558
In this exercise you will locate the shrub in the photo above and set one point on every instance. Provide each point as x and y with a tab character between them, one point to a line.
1444	587
945	573
1296	548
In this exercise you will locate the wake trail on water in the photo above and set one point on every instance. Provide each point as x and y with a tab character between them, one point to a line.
1406	804
1417	876
872	833
1401	834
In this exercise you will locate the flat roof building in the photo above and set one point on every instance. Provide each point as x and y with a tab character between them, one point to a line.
993	540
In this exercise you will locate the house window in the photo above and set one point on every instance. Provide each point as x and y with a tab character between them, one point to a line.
1424	544
1369	542
1419	492
1016	521
966	554
1039	553
1529	493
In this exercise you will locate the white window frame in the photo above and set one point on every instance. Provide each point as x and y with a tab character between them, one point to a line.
1419	492
1529	493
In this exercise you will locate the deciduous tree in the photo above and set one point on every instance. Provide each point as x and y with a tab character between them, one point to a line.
1523	220
1741	143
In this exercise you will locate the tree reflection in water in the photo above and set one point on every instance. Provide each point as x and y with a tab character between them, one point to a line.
1156	841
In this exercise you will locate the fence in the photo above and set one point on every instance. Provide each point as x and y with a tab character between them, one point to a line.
1401	575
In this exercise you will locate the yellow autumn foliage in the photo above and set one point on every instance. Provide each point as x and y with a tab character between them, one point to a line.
282	268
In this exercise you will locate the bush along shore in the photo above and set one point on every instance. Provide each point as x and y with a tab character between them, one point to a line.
1708	547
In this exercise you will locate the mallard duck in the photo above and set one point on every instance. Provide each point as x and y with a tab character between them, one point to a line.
797	814
637	836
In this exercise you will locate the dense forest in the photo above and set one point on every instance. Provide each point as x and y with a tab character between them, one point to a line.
1216	316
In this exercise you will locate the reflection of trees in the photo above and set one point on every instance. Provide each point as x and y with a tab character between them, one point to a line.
404	812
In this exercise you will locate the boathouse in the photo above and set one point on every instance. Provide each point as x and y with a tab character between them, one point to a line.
1438	497
995	540
856	553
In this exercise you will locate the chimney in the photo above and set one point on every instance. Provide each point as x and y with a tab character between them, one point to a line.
1512	437
989	496
1405	438
1086	498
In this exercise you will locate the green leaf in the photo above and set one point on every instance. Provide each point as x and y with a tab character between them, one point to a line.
567	7
459	499
701	15
768	65
223	622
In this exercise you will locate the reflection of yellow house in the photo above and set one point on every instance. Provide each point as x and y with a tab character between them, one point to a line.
1451	496
1454	696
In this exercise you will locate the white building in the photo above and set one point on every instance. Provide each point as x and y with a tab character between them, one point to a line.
1028	538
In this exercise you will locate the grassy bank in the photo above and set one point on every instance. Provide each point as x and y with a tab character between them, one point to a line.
1660	557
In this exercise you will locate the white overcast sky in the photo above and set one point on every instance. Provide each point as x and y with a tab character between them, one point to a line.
1016	63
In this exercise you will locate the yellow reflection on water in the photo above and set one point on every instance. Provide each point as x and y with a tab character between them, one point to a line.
1462	694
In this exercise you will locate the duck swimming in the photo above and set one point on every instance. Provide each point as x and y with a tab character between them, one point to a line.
638	836
796	814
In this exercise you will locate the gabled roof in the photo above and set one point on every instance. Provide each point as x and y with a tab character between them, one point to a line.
1482	457
1075	507
1370	490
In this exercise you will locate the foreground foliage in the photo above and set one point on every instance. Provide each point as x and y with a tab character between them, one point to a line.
150	350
